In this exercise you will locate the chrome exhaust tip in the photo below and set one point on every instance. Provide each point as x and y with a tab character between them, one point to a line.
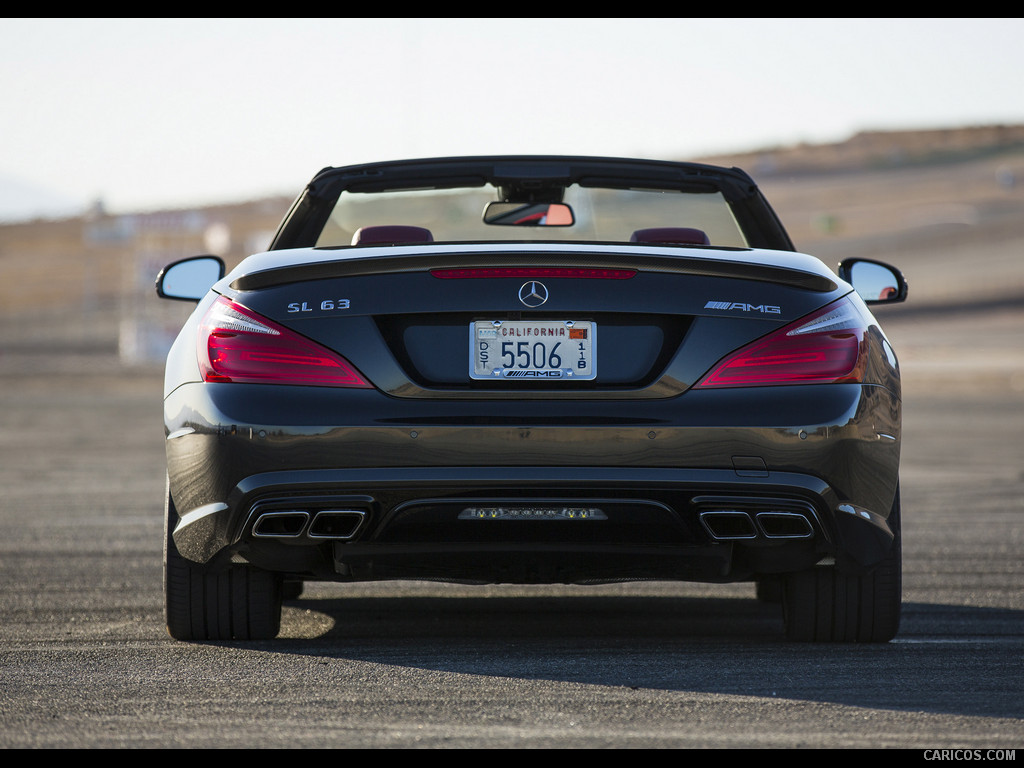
336	524
287	524
728	525
784	525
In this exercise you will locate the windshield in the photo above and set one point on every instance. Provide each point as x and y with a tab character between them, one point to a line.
603	215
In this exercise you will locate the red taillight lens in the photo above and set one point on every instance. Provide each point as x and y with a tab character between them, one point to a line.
827	346
238	345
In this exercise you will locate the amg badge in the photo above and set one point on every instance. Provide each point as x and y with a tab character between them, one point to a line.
766	309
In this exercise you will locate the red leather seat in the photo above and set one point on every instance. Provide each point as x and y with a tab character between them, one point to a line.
391	234
687	235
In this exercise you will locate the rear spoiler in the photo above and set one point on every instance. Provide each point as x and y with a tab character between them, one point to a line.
438	257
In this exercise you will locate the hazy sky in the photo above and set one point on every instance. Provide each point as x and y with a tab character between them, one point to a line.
150	113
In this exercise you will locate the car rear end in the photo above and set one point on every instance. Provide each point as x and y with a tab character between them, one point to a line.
620	370
721	431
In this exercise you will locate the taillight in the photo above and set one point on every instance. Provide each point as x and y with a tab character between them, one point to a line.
238	345
828	346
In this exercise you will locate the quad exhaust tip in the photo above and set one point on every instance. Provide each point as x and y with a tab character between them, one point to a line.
729	525
280	525
325	524
336	524
737	525
784	525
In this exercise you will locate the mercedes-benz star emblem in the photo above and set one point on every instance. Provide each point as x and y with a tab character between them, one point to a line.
533	294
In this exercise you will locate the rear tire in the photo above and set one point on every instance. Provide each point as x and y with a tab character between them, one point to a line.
824	605
236	603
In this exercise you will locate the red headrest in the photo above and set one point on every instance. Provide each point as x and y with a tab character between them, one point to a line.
671	235
391	234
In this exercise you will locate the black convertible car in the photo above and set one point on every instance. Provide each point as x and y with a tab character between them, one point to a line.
532	370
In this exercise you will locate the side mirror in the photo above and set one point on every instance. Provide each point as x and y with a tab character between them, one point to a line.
529	214
189	279
874	281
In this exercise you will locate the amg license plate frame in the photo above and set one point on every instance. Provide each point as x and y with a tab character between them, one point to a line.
533	350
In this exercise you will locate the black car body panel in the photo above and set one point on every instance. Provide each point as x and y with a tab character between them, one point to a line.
645	465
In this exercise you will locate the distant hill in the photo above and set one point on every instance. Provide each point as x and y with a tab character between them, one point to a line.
872	150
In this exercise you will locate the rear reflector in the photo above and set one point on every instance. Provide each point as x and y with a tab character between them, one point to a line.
533	272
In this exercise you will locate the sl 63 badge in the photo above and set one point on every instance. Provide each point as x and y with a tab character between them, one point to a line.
327	305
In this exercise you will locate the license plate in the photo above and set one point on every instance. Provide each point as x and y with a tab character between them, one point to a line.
533	350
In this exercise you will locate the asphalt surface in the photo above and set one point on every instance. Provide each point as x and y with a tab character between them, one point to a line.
85	660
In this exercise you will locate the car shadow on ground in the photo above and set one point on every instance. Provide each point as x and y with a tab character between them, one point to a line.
732	646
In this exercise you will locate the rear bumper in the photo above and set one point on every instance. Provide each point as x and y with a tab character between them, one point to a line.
709	486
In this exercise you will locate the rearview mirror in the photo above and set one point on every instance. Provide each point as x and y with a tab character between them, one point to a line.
189	279
529	214
874	281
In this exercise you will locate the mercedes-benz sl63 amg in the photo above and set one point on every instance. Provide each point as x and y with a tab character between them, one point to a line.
532	370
